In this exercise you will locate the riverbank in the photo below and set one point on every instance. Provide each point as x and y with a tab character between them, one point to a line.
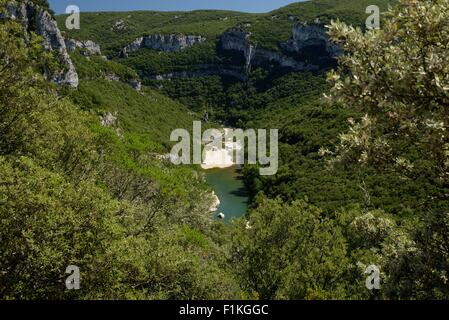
221	173
216	158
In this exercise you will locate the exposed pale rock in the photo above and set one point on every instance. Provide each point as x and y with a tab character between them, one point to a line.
135	84
88	45
215	204
35	18
239	41
306	35
304	38
165	43
112	77
109	119
118	26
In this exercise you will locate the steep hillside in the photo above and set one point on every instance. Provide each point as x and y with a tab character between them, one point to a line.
121	28
161	45
85	180
267	70
268	30
363	179
106	87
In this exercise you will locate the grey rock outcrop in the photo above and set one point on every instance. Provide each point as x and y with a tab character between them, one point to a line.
89	46
235	40
262	56
240	41
307	35
35	18
135	84
304	37
215	205
118	26
165	43
109	119
112	77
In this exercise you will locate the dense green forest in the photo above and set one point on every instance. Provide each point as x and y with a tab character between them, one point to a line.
364	160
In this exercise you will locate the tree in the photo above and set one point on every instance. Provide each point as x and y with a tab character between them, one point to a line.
49	224
399	78
16	73
290	252
72	193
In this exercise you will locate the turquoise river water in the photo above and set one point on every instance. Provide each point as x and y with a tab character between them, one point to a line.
229	188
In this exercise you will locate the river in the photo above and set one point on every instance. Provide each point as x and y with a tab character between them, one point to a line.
229	188
222	175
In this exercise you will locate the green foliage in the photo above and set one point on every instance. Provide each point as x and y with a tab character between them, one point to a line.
405	100
398	78
199	93
50	225
19	65
238	103
152	62
149	113
75	192
105	198
42	3
290	252
267	29
96	67
131	25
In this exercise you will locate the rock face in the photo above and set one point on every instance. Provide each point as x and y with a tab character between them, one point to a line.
308	44
165	43
215	204
90	47
306	36
262	56
291	55
135	84
235	40
109	119
39	20
112	77
238	41
119	25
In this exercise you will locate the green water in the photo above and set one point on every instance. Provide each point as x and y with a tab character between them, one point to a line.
230	189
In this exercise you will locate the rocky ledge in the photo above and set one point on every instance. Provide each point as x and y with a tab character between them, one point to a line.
37	19
311	35
88	46
165	43
306	40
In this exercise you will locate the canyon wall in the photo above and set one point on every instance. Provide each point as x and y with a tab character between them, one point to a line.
37	19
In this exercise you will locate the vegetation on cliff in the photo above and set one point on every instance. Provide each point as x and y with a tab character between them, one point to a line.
363	177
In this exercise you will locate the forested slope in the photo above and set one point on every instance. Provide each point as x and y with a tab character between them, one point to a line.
363	177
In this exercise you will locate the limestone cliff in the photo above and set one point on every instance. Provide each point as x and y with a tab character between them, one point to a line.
89	46
311	35
306	40
165	43
39	20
